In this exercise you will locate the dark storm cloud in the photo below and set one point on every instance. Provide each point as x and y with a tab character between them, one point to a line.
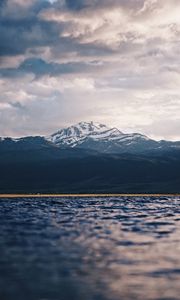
76	4
39	67
22	30
94	4
18	32
17	36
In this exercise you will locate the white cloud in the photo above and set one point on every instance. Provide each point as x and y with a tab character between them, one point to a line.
135	45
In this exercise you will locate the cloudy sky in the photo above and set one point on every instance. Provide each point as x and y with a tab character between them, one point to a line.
111	61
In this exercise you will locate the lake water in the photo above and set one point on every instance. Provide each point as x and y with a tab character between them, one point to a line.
119	248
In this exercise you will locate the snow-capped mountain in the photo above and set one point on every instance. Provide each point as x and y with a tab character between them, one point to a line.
89	158
76	135
90	136
95	136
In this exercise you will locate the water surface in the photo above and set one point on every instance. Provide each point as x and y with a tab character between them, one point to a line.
117	248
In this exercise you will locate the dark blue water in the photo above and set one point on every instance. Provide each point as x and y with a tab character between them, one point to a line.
90	248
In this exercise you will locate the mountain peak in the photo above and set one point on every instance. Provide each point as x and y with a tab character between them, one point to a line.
76	134
94	137
99	137
91	126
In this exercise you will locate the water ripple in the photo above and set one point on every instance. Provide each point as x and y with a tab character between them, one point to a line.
90	248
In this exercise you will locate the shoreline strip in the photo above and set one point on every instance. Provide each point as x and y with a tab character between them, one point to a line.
83	195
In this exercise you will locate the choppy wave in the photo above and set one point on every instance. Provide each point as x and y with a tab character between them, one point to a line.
90	248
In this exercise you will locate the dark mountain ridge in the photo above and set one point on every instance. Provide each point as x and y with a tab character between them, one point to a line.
89	158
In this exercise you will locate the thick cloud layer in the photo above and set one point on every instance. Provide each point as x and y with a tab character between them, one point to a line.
112	61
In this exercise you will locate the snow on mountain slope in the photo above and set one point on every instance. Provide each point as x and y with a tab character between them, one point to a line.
75	135
90	136
97	136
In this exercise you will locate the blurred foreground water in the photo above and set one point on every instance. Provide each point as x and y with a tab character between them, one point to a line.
90	248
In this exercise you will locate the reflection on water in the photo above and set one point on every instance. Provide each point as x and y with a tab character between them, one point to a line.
90	248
